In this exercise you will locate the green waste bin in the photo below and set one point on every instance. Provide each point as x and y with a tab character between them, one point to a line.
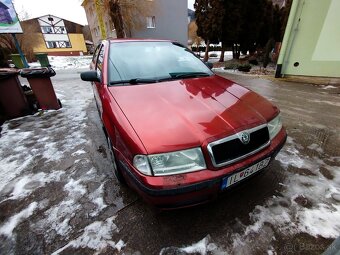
43	59
17	61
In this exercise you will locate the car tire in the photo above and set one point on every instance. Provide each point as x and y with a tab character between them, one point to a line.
116	169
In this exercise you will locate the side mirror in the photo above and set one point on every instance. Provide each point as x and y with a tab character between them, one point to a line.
208	64
89	76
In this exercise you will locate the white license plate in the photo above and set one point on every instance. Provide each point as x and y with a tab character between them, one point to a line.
232	179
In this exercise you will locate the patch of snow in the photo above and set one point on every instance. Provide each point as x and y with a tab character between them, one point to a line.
24	185
78	152
7	228
271	252
329	87
118	246
57	219
317	215
315	147
323	220
202	247
66	62
97	198
74	188
69	121
11	167
324	102
222	70
96	236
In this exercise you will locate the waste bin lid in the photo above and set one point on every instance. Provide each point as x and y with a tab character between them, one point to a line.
8	72
37	72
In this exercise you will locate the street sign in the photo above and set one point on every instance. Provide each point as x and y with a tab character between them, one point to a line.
9	22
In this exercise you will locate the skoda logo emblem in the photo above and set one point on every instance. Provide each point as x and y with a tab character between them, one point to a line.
245	137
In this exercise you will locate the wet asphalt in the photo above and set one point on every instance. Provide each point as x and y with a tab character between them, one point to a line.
311	115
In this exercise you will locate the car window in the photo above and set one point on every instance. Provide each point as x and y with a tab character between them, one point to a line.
100	59
152	60
95	54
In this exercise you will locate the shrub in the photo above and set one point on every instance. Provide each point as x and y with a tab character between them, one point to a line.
253	62
244	68
231	65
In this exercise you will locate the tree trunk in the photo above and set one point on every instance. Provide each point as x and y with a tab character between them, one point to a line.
116	17
206	55
269	46
222	54
236	51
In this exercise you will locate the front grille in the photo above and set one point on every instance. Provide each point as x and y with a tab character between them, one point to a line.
231	149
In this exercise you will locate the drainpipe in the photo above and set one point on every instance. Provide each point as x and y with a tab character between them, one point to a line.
286	37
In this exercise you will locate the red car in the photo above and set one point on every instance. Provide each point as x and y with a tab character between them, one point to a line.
179	134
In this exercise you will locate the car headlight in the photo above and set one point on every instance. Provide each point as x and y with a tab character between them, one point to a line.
274	126
171	163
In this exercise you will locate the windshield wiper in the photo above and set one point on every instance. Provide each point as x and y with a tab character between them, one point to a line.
173	76
189	75
134	81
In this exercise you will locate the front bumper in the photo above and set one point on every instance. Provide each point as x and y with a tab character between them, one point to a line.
183	190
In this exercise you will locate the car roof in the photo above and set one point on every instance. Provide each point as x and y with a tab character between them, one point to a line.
120	40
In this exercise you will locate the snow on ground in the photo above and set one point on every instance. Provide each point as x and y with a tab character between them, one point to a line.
51	149
255	70
233	71
44	159
24	185
8	227
202	247
329	87
308	204
214	56
66	62
96	236
40	143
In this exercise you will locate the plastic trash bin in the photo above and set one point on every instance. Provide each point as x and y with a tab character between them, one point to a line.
17	61
43	59
40	83
12	98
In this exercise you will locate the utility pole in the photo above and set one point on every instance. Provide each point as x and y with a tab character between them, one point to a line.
20	51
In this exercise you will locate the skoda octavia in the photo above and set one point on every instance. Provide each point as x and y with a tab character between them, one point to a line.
179	134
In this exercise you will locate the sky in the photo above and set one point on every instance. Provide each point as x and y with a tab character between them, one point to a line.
66	9
191	4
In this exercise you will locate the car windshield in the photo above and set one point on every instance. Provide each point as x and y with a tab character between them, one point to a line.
150	62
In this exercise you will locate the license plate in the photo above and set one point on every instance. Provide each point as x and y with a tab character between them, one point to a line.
232	179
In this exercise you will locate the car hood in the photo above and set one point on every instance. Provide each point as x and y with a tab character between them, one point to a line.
182	114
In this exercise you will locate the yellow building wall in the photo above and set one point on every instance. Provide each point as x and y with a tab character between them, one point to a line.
77	42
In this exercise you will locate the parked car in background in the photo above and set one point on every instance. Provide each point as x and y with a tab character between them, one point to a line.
179	134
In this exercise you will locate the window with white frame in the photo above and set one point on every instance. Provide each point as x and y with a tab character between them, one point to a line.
59	30
68	44
51	44
47	30
58	44
151	22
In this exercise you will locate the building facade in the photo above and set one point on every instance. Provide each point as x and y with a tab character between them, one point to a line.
58	37
161	19
311	44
